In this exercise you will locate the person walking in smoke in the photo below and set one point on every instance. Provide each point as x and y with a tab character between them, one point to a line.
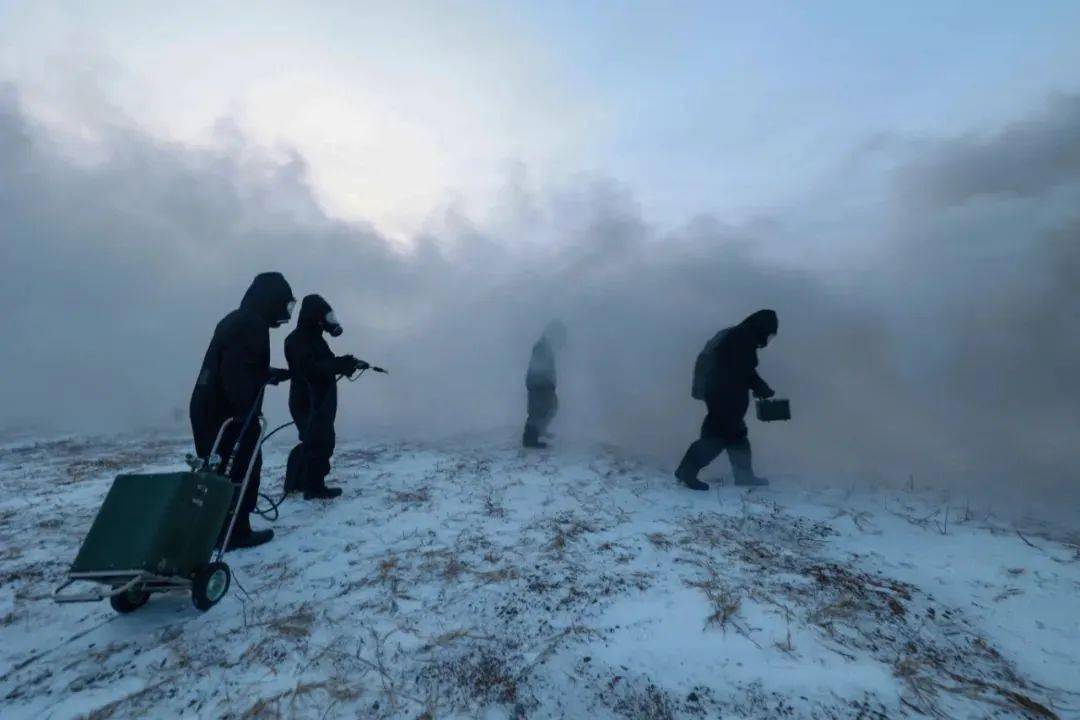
313	397
230	385
724	376
540	381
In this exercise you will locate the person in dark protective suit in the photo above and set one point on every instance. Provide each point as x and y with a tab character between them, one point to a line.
540	382
725	375
230	384
313	397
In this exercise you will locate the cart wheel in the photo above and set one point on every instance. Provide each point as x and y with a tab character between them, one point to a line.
129	601
210	584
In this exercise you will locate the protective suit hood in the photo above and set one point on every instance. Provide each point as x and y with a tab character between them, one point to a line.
761	326
316	313
269	297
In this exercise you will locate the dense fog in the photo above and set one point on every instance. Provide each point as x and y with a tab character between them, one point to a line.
928	291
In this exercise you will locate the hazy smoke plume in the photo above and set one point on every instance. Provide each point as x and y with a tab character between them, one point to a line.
933	330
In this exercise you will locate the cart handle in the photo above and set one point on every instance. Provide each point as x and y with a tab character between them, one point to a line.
256	453
206	461
251	414
94	595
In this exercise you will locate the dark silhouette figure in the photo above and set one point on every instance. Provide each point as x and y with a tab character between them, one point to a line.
724	376
540	382
230	384
313	397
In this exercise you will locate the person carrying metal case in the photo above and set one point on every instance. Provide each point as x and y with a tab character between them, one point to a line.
725	374
313	397
234	371
540	382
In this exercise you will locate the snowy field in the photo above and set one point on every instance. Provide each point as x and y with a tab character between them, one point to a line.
480	581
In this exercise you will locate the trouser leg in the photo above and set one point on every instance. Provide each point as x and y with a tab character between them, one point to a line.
316	468
702	451
244	455
542	406
549	411
241	456
742	463
294	470
739	453
318	449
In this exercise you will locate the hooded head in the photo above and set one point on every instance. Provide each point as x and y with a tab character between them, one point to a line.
271	298
555	334
761	326
316	313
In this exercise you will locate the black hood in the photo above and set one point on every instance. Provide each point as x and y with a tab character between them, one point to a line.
269	297
760	326
313	312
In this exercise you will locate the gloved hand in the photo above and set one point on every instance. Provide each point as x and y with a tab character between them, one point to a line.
278	375
358	364
764	393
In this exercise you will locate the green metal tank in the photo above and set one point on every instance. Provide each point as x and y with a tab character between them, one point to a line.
166	524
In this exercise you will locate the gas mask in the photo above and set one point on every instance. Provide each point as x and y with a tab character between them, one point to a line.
288	314
330	324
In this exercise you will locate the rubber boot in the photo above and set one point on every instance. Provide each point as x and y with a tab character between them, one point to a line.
686	473
322	492
742	466
244	537
531	438
315	485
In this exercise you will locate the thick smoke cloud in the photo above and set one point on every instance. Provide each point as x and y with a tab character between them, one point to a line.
1027	159
947	350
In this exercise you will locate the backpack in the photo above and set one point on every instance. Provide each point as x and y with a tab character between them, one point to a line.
704	367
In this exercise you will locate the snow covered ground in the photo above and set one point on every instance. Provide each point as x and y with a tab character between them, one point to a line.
477	580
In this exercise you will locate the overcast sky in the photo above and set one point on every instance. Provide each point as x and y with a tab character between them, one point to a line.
901	182
401	108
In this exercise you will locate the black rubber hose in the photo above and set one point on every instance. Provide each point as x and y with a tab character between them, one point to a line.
272	513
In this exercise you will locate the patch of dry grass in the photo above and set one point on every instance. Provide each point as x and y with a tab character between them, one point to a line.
659	540
724	600
416	496
454	568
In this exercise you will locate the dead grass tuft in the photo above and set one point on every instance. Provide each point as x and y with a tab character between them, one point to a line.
387	566
416	496
650	703
493	506
297	625
454	568
659	540
488	679
724	600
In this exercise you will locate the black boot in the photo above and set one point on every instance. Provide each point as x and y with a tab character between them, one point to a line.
244	537
690	481
742	466
322	492
531	438
315	483
252	538
687	474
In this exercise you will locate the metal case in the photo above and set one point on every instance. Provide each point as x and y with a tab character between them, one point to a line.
773	410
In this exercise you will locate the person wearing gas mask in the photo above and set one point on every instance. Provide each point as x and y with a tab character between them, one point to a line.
234	371
540	381
724	377
313	397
